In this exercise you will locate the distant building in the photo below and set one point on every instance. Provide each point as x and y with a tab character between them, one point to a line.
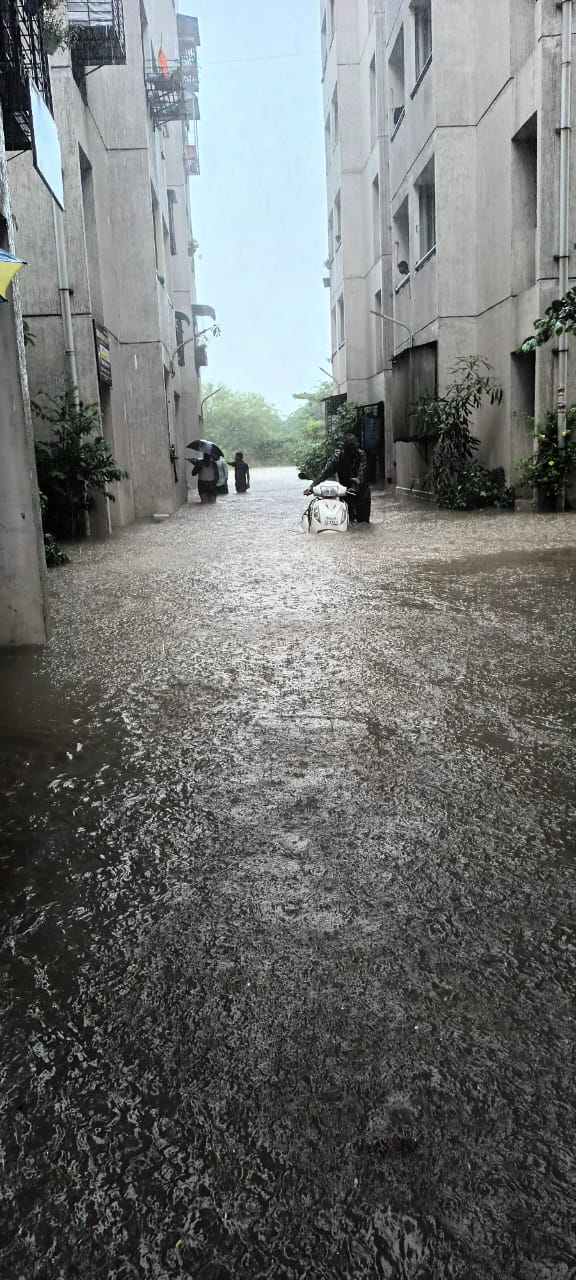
442	146
126	107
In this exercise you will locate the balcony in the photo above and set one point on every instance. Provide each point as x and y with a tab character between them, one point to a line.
98	31
22	58
169	95
191	161
189	64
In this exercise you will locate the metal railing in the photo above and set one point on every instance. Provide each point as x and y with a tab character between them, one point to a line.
22	57
99	38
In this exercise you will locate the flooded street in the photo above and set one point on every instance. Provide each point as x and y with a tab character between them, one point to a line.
288	902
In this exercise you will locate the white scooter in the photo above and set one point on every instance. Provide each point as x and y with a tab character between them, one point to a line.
328	509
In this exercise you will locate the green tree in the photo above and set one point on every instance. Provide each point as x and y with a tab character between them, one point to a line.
246	420
321	437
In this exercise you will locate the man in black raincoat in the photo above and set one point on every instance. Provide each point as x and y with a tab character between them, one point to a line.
350	464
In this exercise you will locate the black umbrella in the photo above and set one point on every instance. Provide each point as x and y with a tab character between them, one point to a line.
206	446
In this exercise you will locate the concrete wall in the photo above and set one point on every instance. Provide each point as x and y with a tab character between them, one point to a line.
23	604
115	165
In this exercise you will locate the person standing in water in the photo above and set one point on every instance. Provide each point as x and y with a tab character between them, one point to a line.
241	473
222	486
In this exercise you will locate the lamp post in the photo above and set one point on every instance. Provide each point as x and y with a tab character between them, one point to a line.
213	329
208	397
399	323
330	376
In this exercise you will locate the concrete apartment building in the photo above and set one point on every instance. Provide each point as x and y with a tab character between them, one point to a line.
447	161
359	243
124	100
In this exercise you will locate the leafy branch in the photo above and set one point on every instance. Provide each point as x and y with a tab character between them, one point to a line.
558	318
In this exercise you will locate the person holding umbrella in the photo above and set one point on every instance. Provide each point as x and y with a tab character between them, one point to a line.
206	469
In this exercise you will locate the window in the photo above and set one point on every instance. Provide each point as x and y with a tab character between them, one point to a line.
525	205
324	45
422	35
180	339
335	118
376	232
338	220
378	332
172	200
396	80
158	236
166	245
328	140
334	331
401	227
426	187
341	334
373	103
330	236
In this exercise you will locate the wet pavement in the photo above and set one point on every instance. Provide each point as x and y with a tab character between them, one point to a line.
288	903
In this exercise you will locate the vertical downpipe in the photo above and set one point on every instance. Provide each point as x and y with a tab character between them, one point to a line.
64	291
564	246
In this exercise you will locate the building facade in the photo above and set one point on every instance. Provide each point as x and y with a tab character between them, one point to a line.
23	600
466	100
126	108
359	245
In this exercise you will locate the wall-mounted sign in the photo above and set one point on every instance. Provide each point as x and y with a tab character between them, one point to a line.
102	344
46	145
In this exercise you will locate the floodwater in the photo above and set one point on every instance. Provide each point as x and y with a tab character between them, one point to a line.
288	903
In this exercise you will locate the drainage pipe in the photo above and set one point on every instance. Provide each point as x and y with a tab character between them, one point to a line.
64	290
564	245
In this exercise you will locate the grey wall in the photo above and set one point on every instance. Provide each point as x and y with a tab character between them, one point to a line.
23	605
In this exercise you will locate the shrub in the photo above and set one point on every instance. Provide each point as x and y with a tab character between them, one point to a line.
325	438
458	482
75	465
549	468
478	487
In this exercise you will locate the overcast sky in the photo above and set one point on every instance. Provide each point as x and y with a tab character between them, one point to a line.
259	205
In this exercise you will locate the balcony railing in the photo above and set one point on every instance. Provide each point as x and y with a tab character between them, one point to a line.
191	161
22	58
170	95
99	38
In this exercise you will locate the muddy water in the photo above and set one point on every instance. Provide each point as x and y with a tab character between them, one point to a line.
288	926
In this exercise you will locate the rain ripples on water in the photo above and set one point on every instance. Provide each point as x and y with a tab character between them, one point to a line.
288	926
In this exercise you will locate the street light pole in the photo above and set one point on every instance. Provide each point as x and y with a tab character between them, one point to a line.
211	329
208	397
399	323
330	376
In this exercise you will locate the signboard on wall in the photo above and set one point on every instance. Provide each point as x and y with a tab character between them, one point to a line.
102	345
46	154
